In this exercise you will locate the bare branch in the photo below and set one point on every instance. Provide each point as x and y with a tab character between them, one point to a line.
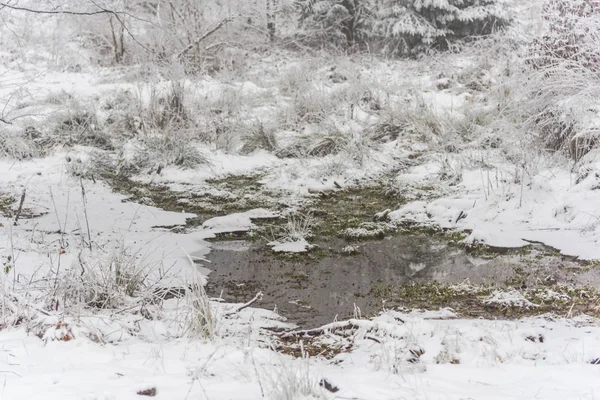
204	37
55	12
117	14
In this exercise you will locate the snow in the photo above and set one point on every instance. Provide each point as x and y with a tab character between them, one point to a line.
237	221
67	213
543	357
297	246
550	208
508	299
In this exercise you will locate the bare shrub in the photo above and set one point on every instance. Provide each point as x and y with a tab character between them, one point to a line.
569	28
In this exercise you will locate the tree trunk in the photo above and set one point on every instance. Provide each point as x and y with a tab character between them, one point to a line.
271	28
349	28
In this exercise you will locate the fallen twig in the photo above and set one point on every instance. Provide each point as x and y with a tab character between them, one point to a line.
256	298
391	329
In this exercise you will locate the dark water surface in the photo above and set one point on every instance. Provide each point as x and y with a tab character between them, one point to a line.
314	293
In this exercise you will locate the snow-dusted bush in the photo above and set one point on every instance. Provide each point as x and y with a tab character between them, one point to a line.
73	123
16	146
151	153
571	27
310	106
166	109
259	137
420	124
329	141
342	23
561	107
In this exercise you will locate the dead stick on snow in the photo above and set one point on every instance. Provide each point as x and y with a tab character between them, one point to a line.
20	209
87	220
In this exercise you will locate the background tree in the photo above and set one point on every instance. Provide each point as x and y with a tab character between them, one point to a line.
401	27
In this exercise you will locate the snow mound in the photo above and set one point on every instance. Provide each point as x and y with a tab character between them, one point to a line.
237	222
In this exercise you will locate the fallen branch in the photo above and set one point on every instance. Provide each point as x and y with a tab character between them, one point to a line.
390	329
256	298
351	323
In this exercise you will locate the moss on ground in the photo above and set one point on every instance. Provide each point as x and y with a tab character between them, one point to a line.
239	194
6	203
469	300
349	209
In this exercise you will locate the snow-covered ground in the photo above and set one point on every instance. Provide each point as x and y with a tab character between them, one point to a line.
556	207
413	356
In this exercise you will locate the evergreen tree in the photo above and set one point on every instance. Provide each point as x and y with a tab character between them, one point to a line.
337	22
402	27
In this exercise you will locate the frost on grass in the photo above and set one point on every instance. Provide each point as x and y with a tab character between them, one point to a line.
293	380
168	150
512	298
259	137
350	250
293	236
16	146
78	127
368	230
